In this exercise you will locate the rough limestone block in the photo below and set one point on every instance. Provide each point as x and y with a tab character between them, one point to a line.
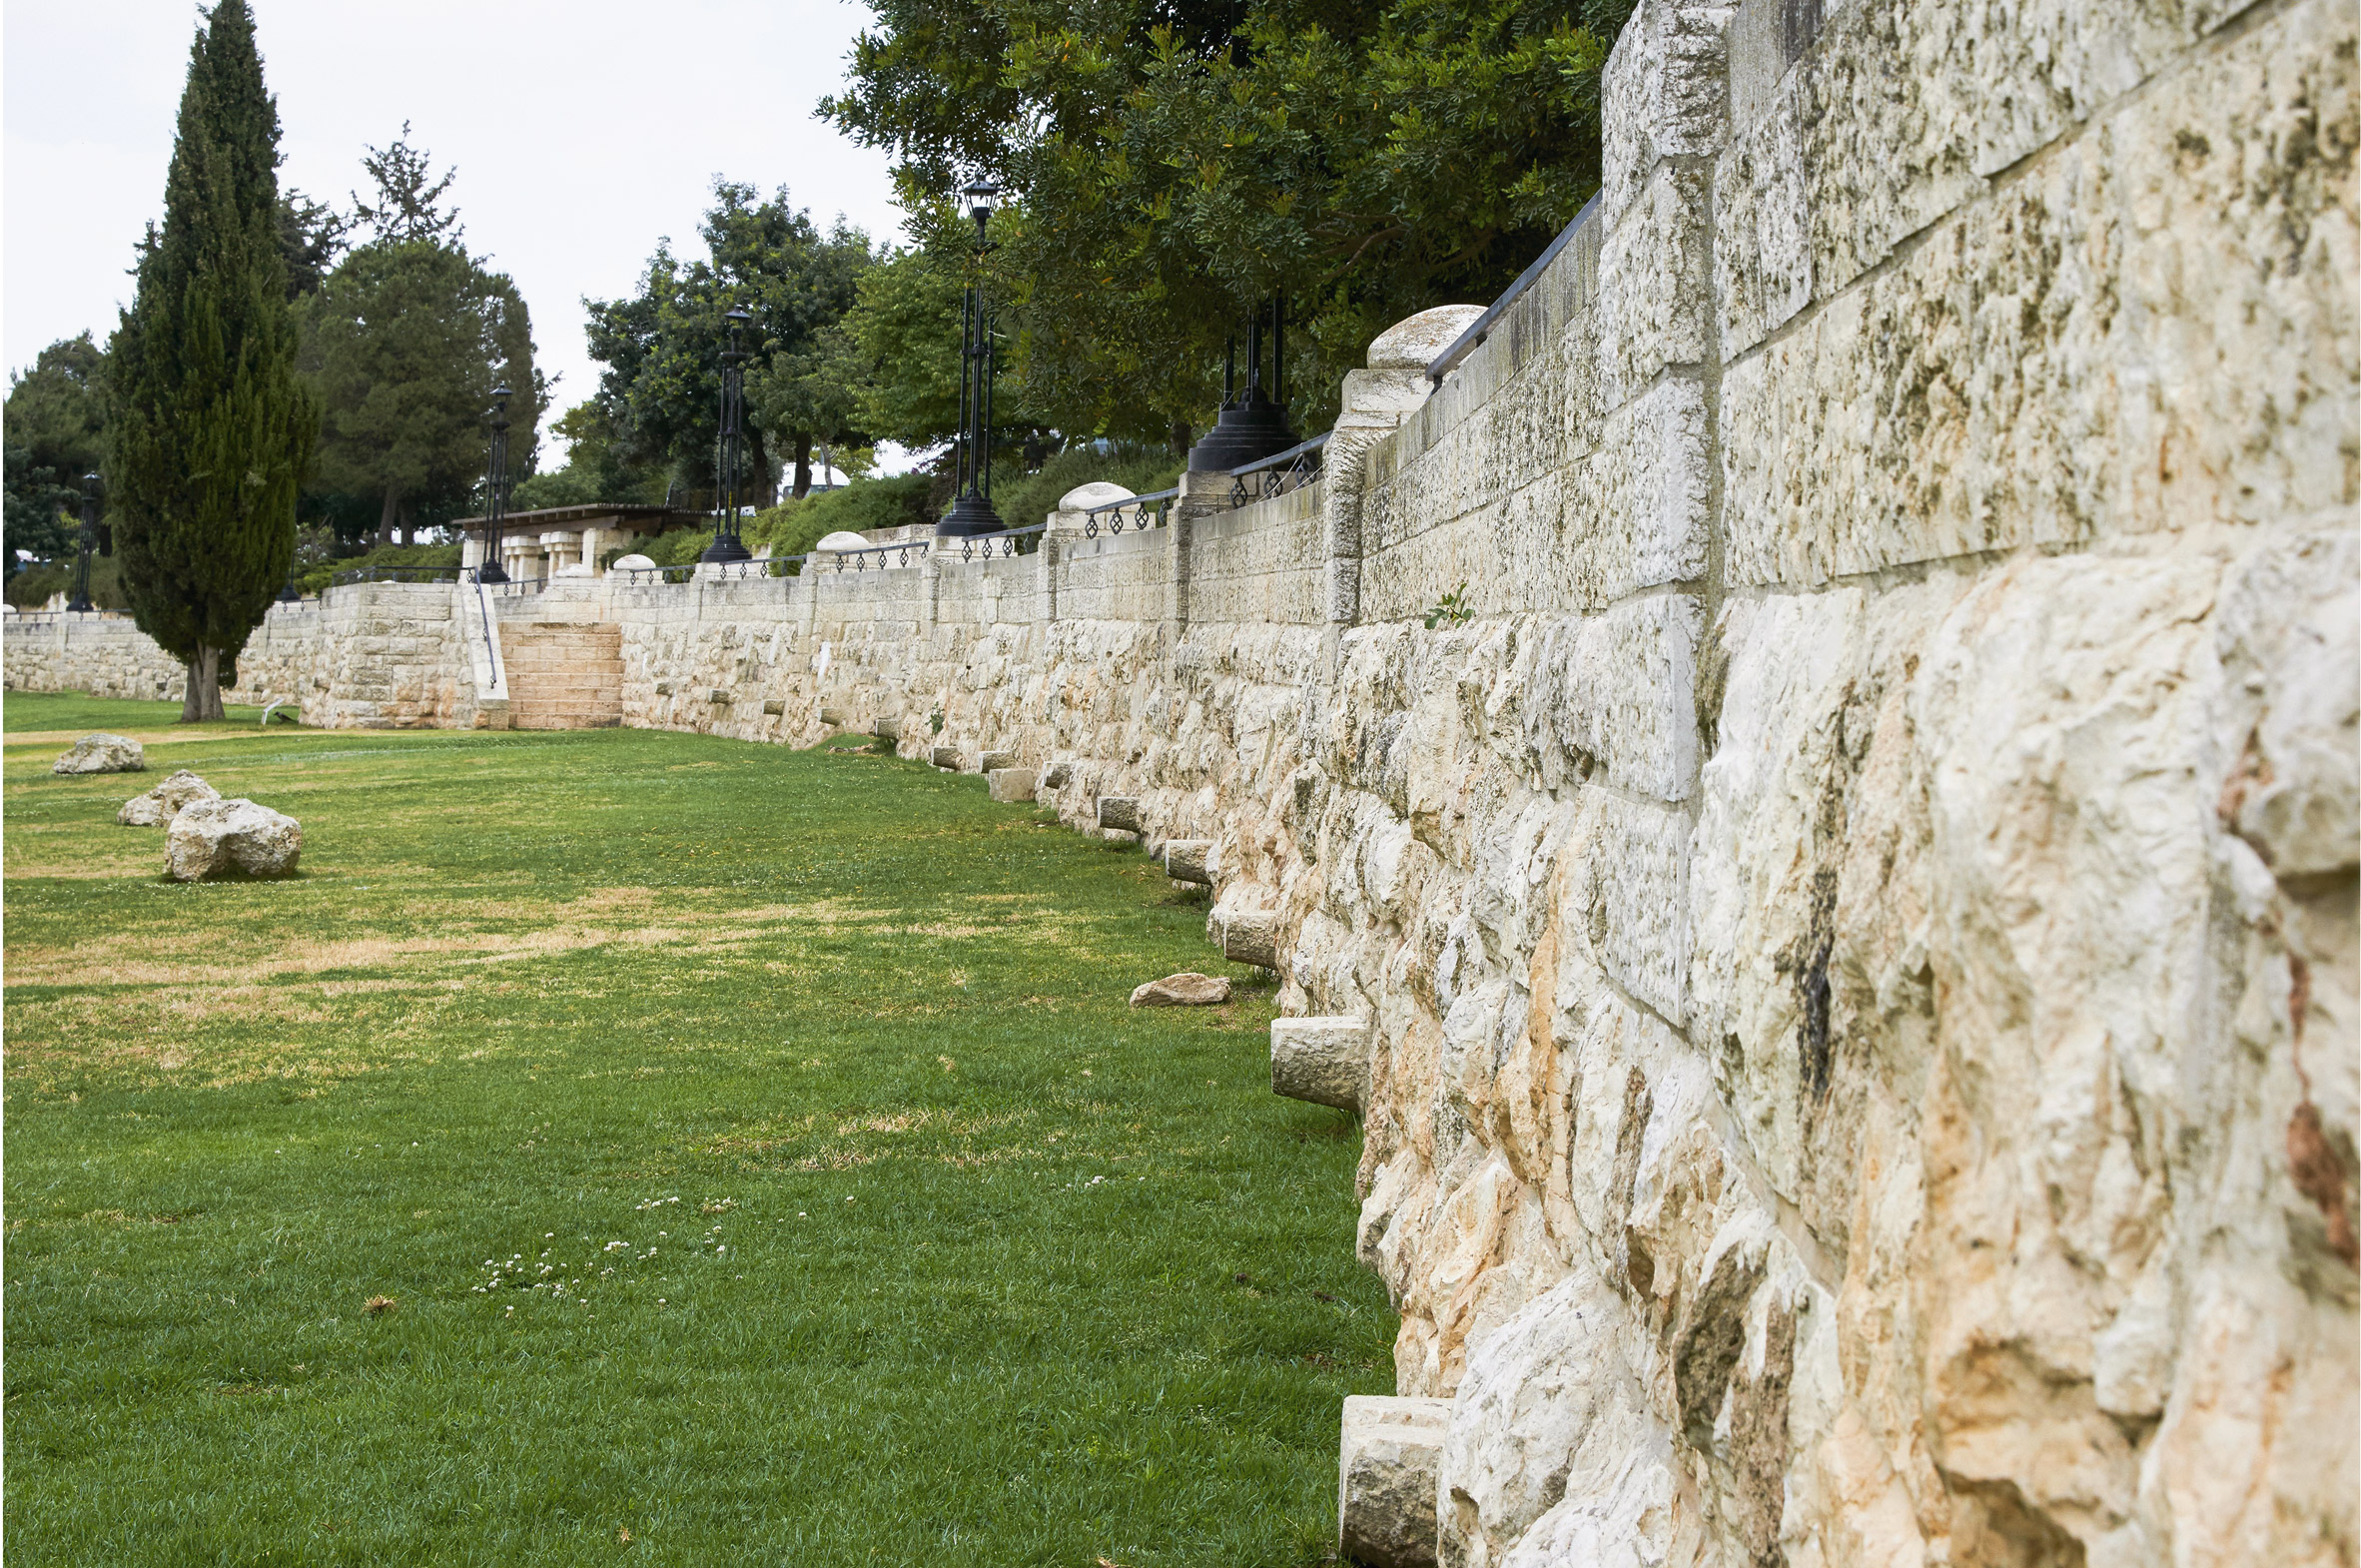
888	730
1009	785
102	753
995	761
946	758
1185	990
1323	1060
166	801
1057	775
717	696
834	718
232	838
774	707
1252	938
1386	1480
1189	860
1120	812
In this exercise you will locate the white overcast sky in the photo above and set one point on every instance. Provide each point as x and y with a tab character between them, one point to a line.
583	130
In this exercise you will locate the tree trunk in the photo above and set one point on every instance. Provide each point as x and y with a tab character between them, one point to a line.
803	466
387	515
203	702
1181	436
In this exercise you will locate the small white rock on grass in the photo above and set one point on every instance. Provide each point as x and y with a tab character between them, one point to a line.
166	801
226	838
1187	990
102	753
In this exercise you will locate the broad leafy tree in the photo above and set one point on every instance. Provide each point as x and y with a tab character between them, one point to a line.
403	344
1169	164
56	425
662	345
210	430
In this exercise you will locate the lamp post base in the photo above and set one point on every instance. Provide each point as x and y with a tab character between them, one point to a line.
490	571
725	549
968	516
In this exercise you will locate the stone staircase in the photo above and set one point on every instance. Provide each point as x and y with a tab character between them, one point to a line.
563	675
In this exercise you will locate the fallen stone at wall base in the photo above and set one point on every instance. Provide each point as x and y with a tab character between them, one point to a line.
1185	990
166	801
1120	813
1322	1059
946	758
996	761
1189	860
1386	1480
102	753
232	838
1010	786
1252	938
1057	775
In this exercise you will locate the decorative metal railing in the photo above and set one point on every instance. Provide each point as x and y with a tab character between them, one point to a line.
649	576
906	552
1280	473
1009	541
1584	233
1110	517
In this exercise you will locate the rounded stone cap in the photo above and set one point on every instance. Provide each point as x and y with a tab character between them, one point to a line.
1096	493
632	563
842	540
1414	342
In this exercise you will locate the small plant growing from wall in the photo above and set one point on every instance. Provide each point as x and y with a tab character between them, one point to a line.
935	722
1452	609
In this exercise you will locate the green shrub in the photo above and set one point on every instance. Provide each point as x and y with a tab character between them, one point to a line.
793	527
1023	500
32	587
311	580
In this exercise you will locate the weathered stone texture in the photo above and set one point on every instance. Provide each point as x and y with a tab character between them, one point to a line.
231	838
1858	933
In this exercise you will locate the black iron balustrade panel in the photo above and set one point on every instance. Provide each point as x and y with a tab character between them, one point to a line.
907	552
1111	517
1007	542
1278	474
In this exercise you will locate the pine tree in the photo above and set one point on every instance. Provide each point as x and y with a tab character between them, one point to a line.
211	431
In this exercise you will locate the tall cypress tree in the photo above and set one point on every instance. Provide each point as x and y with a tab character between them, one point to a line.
211	431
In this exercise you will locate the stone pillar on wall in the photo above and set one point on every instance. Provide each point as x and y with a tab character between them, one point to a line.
1201	495
1376	402
1065	525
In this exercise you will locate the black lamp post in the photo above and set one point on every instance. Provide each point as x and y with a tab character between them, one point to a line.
495	504
730	460
1252	424
90	515
971	512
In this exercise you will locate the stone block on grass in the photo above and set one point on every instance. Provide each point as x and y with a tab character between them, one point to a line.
102	753
166	801
1322	1059
1120	812
1185	990
1189	860
946	758
1010	785
232	838
1252	938
1389	1456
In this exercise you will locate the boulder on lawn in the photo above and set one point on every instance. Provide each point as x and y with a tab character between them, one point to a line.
166	801
232	838
1187	990
103	753
1009	785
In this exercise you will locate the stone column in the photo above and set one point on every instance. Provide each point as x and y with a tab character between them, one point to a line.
1376	402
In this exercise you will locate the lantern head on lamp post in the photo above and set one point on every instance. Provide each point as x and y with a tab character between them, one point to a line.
971	512
729	457
89	543
496	485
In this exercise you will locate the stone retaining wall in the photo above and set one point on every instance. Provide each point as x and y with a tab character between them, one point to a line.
1859	929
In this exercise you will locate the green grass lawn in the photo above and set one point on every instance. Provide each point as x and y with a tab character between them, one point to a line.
755	1146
